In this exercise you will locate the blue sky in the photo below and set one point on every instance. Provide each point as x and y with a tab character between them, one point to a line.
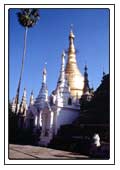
49	37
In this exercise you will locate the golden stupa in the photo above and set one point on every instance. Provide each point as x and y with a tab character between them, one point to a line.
74	77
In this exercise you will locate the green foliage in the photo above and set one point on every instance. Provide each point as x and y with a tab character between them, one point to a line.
28	17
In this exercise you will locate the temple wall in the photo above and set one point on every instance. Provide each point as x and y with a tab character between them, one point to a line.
66	116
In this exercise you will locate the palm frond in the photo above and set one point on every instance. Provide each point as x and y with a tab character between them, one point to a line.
28	17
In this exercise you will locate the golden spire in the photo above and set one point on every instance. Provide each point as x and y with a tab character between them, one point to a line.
71	49
75	78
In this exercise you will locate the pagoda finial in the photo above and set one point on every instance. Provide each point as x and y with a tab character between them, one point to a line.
32	92
86	68
71	27
103	72
44	70
86	82
71	49
85	73
31	98
13	105
71	36
23	104
45	64
24	93
44	73
63	53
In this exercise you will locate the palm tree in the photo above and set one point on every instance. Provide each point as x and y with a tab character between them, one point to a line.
27	18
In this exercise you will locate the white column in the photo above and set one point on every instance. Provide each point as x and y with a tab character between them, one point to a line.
35	120
40	119
43	125
51	119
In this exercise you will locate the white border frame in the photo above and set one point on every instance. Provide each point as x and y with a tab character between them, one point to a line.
75	162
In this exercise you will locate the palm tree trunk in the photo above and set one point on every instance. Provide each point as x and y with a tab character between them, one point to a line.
22	68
